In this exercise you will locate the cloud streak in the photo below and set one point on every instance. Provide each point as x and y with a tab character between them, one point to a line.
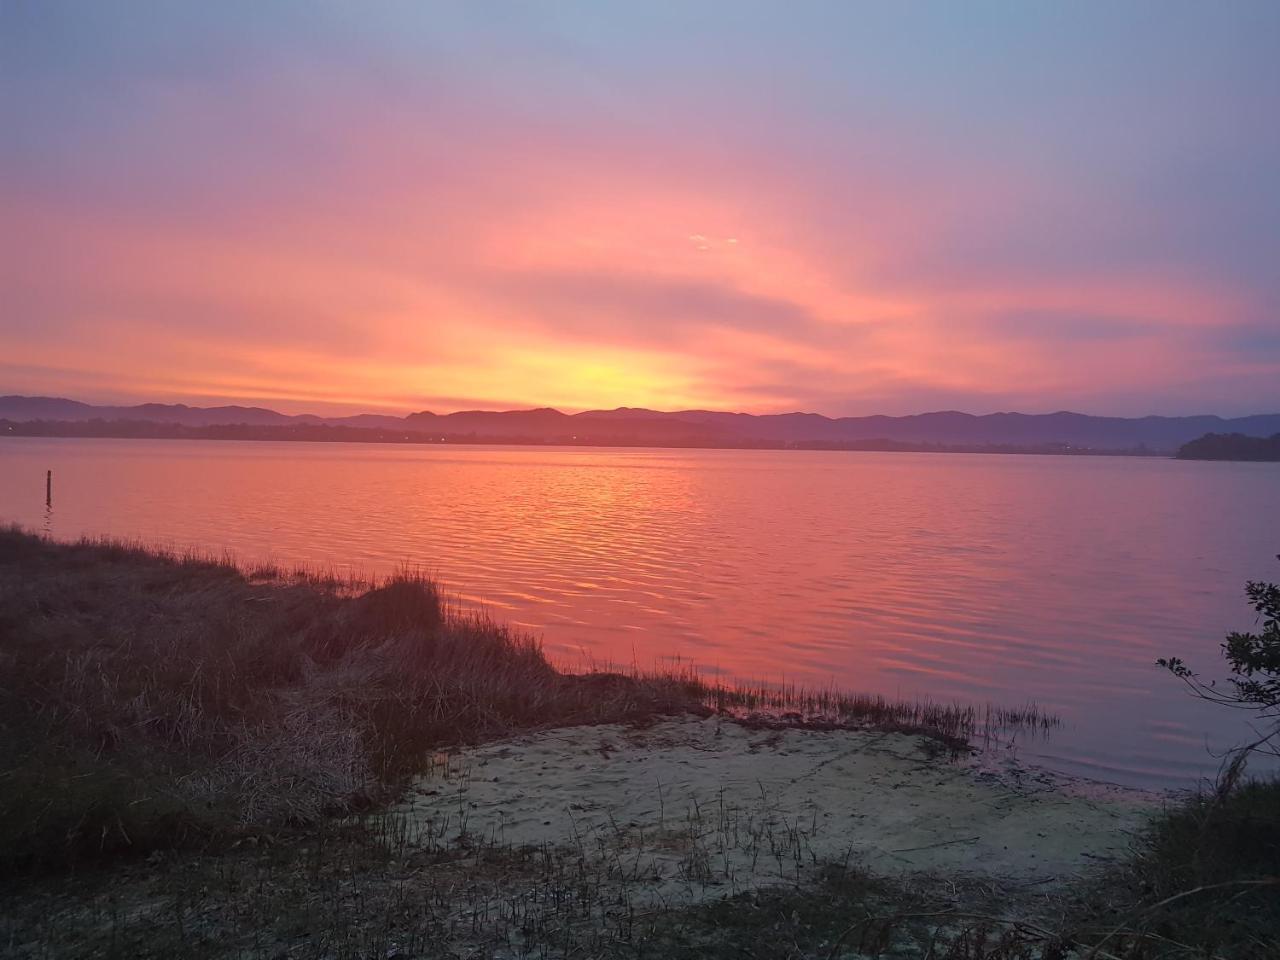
853	209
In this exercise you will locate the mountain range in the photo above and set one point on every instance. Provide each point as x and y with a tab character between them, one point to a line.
630	425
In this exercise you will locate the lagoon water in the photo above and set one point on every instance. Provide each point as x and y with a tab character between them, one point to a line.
952	576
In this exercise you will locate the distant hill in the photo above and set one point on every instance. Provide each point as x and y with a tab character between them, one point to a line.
631	426
57	408
1231	446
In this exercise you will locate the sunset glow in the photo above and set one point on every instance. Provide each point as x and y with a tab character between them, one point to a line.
640	478
413	206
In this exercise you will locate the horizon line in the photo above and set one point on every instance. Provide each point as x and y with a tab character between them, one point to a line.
687	410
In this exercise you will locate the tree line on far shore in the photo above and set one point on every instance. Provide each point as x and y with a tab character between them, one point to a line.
1231	446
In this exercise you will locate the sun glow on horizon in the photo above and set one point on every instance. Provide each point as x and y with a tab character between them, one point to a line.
195	216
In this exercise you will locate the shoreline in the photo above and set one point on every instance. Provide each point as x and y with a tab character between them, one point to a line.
374	774
546	844
201	678
254	434
707	808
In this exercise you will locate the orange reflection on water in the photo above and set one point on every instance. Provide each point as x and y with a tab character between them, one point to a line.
1058	579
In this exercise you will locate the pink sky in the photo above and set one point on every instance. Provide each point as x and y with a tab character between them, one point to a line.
858	210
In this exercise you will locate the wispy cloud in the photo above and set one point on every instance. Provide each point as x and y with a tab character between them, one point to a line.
849	208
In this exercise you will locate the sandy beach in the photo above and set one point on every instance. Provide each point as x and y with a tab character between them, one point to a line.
691	809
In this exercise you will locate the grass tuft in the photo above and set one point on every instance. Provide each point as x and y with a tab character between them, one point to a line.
152	700
1204	880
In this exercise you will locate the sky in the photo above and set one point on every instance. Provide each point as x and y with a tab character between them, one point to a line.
848	207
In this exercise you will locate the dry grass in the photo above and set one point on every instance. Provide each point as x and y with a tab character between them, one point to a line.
382	888
1204	880
358	893
154	700
954	725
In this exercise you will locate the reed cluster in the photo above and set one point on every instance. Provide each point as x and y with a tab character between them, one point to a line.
953	725
152	700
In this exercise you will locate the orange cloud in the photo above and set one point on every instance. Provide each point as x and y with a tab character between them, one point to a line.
411	277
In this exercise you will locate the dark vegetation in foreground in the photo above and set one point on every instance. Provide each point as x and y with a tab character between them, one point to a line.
220	718
1203	882
1202	885
153	701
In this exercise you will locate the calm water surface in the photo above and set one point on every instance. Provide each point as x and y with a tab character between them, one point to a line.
954	576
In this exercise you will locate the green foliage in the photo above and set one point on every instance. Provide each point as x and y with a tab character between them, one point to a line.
1254	659
1257	655
1204	881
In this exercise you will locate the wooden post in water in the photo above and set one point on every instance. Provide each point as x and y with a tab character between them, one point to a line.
48	488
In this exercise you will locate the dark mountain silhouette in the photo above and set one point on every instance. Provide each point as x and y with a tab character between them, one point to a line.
631	425
57	408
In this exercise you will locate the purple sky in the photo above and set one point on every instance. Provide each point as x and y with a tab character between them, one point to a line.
850	208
